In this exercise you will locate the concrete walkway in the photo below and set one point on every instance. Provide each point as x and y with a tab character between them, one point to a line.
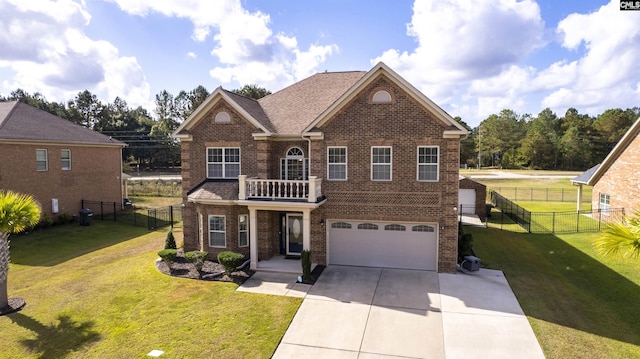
357	312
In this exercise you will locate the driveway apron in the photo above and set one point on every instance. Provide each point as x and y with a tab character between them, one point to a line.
359	312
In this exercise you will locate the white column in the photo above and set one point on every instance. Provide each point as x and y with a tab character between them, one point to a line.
579	197
242	187
312	189
253	238
306	229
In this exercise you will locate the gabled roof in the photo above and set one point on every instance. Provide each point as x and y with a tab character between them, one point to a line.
248	108
297	109
593	175
454	128
24	123
293	108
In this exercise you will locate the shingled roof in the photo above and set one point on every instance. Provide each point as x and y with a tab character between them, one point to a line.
25	123
295	107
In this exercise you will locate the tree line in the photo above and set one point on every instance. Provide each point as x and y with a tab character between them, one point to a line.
573	142
148	135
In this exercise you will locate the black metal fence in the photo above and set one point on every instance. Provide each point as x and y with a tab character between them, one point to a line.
543	194
552	222
152	218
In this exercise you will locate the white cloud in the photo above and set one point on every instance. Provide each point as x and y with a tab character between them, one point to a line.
192	55
248	50
607	75
45	46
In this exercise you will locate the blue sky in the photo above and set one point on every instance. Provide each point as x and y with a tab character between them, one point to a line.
472	58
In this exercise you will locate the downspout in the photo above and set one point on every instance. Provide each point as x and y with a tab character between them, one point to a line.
308	154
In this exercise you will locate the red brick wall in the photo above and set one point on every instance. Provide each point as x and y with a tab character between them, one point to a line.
95	175
404	125
622	181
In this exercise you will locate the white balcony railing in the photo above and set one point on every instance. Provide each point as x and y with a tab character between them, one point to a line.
254	188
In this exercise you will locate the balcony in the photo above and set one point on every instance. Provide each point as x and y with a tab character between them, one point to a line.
280	190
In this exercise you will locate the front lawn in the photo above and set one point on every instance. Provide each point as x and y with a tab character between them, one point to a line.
94	292
579	304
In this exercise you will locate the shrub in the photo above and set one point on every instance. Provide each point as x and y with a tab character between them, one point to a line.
465	246
197	258
64	218
305	259
170	241
45	222
168	256
230	261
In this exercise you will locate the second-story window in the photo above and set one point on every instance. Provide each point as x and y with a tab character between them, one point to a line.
381	163
428	163
337	163
42	164
65	160
223	162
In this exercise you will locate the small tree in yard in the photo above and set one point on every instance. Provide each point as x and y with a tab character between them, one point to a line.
230	261
623	237
17	213
168	256
170	241
197	259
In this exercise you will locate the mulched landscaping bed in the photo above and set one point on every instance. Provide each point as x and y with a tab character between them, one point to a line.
182	268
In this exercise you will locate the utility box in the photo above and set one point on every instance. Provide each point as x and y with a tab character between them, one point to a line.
85	216
471	263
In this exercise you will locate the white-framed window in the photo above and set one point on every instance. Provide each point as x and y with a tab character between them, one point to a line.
223	162
395	227
423	228
243	230
368	226
337	163
65	160
42	163
381	158
428	163
222	117
341	225
605	203
217	232
381	96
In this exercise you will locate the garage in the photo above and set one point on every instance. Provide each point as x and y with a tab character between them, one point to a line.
383	244
467	200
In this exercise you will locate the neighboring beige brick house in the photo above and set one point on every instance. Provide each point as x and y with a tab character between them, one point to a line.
616	181
359	167
56	161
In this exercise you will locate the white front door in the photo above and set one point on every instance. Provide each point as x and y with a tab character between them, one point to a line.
294	234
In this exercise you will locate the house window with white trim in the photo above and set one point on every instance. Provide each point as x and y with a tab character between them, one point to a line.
337	163
243	230
381	163
428	163
605	202
217	232
42	163
65	159
223	162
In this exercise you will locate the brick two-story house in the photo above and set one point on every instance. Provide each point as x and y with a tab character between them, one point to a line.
615	181
56	161
358	167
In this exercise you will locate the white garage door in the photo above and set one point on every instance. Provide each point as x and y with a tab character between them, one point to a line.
467	199
383	244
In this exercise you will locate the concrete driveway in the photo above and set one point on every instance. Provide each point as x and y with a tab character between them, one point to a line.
357	312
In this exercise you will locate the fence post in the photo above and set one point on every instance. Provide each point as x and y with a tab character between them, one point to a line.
578	223
82	203
171	216
101	212
553	222
134	215
114	211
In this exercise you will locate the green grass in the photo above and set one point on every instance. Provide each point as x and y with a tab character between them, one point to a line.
579	304
94	292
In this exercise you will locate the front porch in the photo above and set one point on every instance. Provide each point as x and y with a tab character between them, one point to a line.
281	264
280	190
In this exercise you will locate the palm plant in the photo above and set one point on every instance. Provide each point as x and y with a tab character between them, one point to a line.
622	237
17	213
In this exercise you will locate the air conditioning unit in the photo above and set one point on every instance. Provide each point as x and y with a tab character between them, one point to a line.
471	263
